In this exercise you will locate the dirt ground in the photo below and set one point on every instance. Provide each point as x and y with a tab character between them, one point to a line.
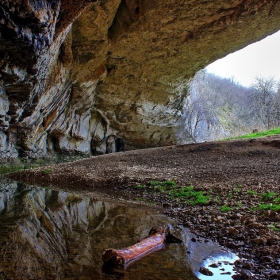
241	179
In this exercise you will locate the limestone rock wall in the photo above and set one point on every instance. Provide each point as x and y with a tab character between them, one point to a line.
93	77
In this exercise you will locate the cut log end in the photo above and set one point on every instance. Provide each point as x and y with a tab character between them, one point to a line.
113	258
108	255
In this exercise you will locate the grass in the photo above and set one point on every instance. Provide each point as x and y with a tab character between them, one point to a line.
169	187
164	183
239	205
273	207
8	168
268	195
47	171
217	199
259	134
195	197
158	185
225	208
155	183
189	195
200	199
252	208
250	192
4	169
274	227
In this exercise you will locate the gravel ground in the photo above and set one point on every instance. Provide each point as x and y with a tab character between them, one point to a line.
228	192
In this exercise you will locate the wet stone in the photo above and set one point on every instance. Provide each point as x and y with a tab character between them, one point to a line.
214	265
260	241
246	274
205	271
266	259
233	231
225	273
236	277
248	265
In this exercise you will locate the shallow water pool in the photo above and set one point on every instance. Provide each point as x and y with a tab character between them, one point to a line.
48	234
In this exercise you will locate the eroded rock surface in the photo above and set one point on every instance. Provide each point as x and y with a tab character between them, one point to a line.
93	77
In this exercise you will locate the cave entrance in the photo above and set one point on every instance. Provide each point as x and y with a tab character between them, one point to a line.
236	95
259	59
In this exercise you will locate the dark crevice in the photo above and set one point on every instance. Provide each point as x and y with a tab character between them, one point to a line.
119	144
128	12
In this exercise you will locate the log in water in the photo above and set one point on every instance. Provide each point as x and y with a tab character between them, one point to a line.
122	258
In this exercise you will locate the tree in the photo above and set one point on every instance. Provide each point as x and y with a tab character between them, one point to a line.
265	102
217	107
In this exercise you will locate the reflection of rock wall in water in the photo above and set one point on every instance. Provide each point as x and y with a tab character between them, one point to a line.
46	234
117	75
39	228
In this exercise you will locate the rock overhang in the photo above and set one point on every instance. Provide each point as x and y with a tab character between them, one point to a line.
115	69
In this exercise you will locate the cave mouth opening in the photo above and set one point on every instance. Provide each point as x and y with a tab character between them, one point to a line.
238	94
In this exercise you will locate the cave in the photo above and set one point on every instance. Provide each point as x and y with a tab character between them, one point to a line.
129	62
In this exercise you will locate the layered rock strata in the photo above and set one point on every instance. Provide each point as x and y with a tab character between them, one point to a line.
94	77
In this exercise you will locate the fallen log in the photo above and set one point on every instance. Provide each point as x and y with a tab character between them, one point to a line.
122	258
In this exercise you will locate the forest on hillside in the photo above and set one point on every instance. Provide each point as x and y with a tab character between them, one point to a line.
217	108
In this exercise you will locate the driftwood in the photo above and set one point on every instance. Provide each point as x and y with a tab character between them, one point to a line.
122	258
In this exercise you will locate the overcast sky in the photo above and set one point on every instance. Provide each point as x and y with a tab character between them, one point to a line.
259	59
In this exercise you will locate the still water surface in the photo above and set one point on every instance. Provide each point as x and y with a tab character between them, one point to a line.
47	234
